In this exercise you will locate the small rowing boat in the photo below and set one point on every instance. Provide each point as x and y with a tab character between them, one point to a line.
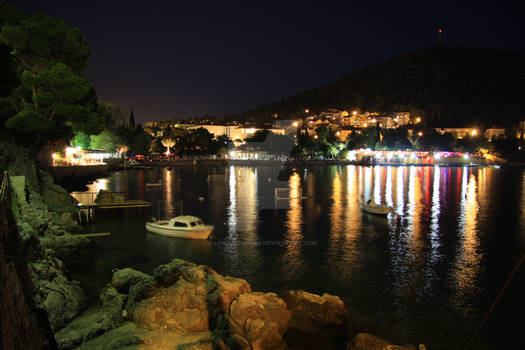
376	209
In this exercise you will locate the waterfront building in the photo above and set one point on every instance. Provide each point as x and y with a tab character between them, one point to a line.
494	133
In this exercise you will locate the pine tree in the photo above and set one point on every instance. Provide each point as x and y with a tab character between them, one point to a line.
132	119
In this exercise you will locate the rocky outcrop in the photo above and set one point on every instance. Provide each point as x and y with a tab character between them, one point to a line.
129	336
45	233
56	198
22	325
183	305
62	298
88	326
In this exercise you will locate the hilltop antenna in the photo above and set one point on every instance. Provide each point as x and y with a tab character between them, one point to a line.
440	37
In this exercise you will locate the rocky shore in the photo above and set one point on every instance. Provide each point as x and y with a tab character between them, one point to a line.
181	306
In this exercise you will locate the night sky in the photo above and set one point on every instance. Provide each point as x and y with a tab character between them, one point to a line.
168	59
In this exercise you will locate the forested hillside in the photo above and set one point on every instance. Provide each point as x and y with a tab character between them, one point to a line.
449	86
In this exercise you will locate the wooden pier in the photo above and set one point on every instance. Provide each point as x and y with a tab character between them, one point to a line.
90	201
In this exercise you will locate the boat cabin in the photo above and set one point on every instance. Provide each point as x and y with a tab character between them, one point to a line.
186	221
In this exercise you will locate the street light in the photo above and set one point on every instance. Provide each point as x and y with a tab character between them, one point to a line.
295	124
474	132
420	134
418	119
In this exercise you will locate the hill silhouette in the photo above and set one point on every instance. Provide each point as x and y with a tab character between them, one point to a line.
448	86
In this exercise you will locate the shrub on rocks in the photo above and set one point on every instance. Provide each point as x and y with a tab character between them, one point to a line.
123	279
113	304
169	273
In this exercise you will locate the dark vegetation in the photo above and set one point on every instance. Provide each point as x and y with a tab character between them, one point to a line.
448	86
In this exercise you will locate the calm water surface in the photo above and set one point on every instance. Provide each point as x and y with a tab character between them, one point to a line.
427	273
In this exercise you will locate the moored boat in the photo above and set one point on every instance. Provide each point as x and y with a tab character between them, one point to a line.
376	209
184	226
154	184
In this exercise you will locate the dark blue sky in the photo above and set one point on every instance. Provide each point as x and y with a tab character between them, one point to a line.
168	59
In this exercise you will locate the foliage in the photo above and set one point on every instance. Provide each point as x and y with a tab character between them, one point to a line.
82	140
106	140
394	139
50	100
258	136
132	119
433	141
60	100
40	42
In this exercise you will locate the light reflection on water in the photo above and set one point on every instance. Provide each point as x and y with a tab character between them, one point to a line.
431	261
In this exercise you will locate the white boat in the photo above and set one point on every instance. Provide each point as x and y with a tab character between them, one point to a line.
184	226
154	184
376	209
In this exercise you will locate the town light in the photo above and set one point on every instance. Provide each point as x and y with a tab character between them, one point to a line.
354	112
466	156
366	124
437	156
474	132
420	134
338	133
295	124
307	110
418	119
316	137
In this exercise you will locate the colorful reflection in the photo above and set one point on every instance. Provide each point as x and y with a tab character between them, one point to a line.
293	262
468	258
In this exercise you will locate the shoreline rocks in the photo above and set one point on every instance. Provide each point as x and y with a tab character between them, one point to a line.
185	305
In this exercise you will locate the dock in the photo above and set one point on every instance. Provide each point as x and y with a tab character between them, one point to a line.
130	203
91	201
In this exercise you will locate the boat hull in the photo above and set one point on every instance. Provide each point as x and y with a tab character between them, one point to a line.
376	209
203	233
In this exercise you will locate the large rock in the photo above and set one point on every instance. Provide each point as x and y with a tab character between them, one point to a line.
260	318
317	321
326	309
365	341
222	290
180	308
